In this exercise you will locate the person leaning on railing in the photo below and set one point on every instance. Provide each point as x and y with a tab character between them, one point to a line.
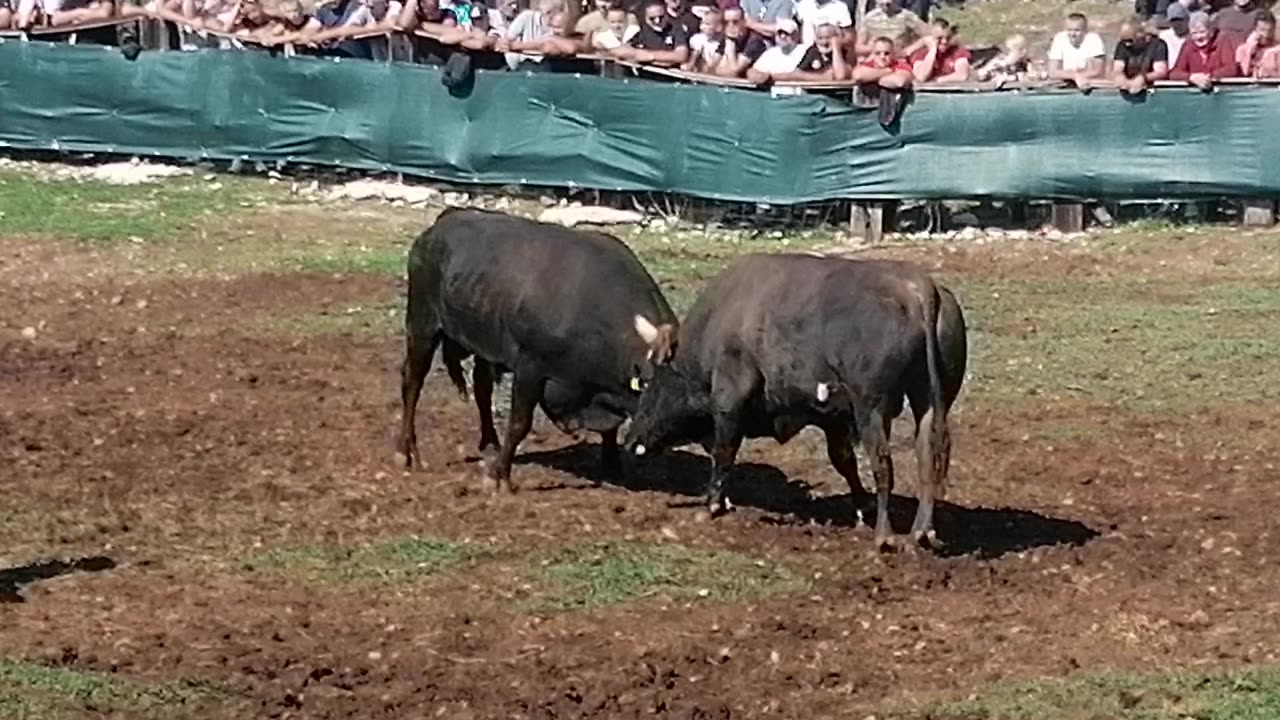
535	35
1141	59
941	59
6	14
617	33
1076	55
1259	56
60	13
742	45
659	41
706	48
342	20
1206	56
883	68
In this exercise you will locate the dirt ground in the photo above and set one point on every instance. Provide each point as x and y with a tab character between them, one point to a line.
154	427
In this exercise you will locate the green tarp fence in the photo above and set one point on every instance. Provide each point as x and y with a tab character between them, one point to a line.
637	135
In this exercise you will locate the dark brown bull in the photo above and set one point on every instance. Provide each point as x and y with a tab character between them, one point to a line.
776	343
553	306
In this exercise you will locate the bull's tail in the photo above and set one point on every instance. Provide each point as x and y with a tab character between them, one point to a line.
939	430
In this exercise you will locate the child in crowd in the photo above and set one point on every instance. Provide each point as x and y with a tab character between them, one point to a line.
618	33
1010	65
707	47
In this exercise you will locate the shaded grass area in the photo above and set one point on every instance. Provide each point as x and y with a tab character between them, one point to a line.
404	559
1245	694
600	574
28	690
99	212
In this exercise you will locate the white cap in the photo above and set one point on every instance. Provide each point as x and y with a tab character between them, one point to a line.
787	25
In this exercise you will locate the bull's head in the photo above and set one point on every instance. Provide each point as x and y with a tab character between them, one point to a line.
673	407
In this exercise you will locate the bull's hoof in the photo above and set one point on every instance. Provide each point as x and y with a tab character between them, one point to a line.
927	540
404	460
716	508
886	543
489	484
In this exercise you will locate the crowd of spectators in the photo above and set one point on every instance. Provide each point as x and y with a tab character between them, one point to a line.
895	45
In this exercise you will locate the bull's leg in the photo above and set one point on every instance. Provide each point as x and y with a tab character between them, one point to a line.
840	439
526	391
728	440
875	441
610	455
419	350
929	482
482	383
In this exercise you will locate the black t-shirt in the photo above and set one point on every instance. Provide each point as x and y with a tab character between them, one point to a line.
751	46
687	20
671	38
1141	60
814	60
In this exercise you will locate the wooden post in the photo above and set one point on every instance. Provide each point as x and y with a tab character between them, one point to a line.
858	220
1259	212
868	220
1068	217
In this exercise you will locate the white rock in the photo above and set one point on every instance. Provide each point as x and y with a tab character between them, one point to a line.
590	214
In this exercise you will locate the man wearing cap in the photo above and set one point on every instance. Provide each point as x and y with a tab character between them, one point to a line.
784	57
1206	57
1173	36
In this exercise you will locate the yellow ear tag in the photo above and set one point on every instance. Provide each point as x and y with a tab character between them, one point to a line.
635	384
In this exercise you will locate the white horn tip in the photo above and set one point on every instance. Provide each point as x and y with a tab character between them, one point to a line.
639	450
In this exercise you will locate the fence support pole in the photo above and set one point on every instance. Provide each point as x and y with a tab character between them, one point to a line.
1259	212
869	220
1068	217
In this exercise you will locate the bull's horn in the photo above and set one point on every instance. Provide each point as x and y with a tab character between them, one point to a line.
646	330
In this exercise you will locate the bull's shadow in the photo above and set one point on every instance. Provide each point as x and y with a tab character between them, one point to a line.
984	532
14	579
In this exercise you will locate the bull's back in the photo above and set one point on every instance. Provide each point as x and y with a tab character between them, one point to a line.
503	286
777	306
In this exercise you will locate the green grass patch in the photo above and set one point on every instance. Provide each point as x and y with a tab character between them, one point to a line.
28	690
600	574
1252	694
682	261
387	258
1114	341
403	559
95	211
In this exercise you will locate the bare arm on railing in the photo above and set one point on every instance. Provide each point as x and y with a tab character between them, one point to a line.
90	12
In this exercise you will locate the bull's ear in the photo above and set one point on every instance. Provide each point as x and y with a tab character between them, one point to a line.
646	330
663	348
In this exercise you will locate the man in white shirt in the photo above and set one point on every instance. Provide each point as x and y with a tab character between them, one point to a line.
1077	55
814	13
1173	36
783	57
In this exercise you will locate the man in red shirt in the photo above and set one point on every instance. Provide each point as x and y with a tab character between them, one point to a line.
882	68
941	60
1206	56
